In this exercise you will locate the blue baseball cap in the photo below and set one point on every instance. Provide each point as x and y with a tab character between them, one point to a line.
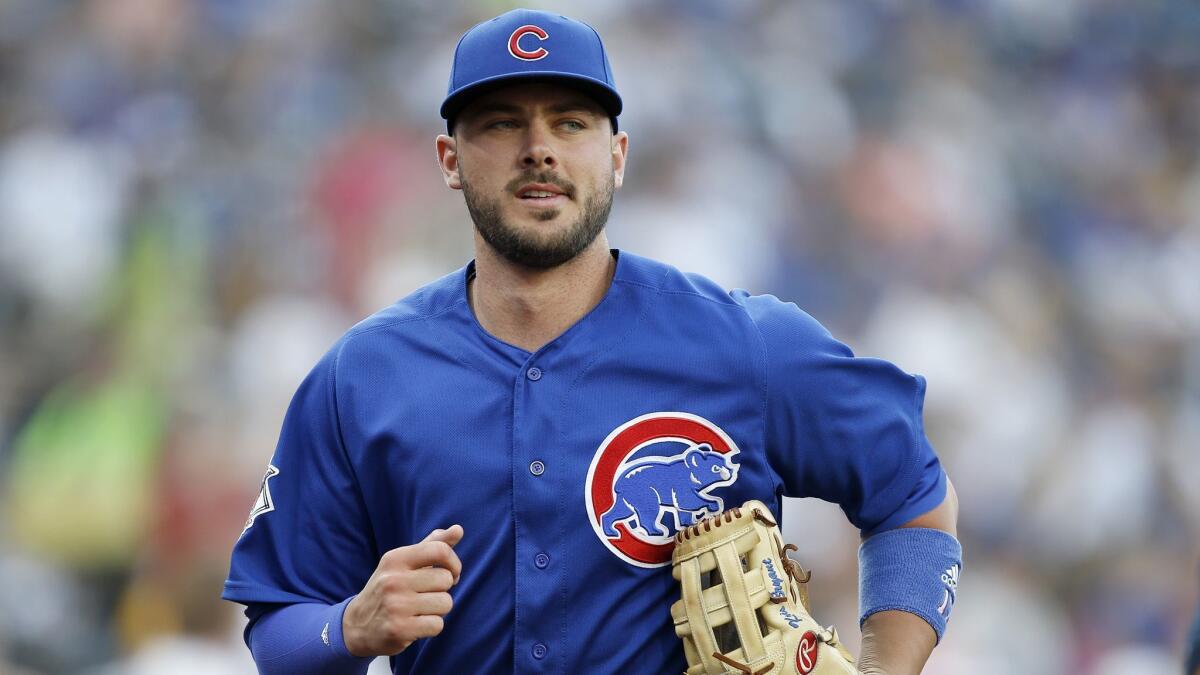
527	44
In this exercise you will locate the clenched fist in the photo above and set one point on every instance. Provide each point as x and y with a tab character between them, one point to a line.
406	598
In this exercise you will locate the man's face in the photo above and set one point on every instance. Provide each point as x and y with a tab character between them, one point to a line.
538	164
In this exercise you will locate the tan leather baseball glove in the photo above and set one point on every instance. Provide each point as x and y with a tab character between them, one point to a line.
744	606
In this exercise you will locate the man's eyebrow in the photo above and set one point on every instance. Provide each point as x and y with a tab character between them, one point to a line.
575	106
490	107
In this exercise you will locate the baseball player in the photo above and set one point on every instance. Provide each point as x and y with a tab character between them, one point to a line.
487	476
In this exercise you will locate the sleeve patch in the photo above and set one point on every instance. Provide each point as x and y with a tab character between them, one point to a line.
264	503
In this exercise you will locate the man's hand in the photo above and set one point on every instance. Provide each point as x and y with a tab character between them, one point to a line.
406	598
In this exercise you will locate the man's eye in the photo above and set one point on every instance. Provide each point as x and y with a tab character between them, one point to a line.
503	124
573	125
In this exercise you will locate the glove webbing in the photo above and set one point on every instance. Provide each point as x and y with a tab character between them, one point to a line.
712	604
704	607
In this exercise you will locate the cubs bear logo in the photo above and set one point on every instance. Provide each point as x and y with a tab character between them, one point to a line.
653	476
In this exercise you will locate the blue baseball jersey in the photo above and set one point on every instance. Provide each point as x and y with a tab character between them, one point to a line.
572	467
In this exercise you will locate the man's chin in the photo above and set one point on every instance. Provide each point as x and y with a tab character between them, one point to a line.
546	215
537	237
540	248
539	214
536	257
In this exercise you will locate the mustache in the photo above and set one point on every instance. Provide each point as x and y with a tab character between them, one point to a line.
541	177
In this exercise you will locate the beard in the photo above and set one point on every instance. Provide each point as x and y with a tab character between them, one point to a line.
531	249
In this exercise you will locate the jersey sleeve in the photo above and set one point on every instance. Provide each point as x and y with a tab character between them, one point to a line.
841	428
308	538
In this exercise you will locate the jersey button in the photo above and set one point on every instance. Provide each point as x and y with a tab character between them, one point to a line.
537	468
539	651
541	560
534	373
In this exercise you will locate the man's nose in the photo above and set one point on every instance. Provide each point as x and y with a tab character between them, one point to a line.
538	152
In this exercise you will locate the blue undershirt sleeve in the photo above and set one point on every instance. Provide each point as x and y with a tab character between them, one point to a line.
303	639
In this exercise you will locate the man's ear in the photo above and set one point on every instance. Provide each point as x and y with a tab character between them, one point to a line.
447	152
620	146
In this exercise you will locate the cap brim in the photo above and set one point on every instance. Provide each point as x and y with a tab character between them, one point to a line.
597	90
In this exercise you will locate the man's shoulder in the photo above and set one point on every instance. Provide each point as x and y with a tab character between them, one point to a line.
762	309
429	301
403	322
666	279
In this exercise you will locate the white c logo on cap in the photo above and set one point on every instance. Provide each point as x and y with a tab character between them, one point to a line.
514	46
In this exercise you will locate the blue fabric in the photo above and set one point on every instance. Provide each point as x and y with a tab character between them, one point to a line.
913	569
1192	650
843	429
530	44
303	639
419	419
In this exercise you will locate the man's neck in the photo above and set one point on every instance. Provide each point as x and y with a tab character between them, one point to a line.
528	307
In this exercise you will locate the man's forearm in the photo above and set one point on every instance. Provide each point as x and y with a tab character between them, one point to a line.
303	639
895	643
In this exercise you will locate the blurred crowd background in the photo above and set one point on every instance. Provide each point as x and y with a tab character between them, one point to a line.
197	197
